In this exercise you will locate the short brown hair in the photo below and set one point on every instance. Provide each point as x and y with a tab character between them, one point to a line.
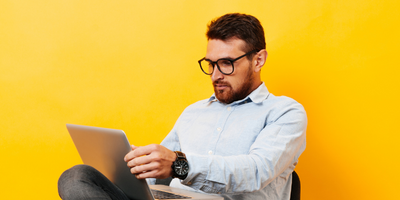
242	26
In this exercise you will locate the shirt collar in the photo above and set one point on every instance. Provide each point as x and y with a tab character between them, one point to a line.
257	96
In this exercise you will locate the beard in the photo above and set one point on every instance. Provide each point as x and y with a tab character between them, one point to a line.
229	95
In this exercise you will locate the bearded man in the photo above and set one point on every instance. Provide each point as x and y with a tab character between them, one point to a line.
242	142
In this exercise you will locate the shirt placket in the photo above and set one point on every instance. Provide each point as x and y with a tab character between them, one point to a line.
219	128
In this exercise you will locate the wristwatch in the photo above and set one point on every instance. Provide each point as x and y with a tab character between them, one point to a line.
180	167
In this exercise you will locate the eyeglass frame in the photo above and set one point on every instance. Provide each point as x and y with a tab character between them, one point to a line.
230	60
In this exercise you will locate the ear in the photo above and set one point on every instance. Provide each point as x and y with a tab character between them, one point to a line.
259	60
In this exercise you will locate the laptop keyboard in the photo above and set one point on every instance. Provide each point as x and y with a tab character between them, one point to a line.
158	194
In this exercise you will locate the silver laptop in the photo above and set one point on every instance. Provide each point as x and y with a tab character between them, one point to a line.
105	149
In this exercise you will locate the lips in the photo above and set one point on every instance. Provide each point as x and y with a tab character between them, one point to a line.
220	85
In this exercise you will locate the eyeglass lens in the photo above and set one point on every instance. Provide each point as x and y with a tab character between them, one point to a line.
225	66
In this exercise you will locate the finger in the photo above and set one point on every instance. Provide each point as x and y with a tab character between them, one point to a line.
146	150
147	174
146	167
162	174
139	161
142	151
129	156
157	173
133	147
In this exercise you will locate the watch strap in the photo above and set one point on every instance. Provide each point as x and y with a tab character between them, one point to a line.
180	155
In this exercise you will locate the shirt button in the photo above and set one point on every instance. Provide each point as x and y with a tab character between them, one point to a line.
210	152
218	129
229	108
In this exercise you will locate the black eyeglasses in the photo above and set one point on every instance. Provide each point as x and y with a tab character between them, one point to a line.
224	65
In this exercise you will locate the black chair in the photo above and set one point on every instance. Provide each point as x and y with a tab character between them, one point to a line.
294	195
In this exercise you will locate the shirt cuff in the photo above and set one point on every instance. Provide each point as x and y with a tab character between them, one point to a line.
199	167
197	171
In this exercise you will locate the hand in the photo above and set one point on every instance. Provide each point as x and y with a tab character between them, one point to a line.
151	161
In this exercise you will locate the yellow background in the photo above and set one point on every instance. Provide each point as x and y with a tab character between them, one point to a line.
132	65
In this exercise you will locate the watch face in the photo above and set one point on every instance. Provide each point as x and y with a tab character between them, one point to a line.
181	167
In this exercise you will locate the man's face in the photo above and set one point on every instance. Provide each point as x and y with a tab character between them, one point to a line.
239	84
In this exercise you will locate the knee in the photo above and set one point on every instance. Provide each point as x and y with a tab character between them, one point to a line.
79	169
74	177
74	174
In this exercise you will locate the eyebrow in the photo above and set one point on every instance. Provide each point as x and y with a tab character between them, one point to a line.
227	58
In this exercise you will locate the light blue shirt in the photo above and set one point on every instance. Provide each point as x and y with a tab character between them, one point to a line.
243	150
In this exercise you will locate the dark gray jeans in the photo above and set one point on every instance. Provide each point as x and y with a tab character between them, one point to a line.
85	182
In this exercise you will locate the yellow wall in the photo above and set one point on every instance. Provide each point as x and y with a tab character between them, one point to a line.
133	65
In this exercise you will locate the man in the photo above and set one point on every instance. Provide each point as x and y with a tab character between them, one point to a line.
243	142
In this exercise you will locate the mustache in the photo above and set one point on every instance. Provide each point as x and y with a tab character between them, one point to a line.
220	82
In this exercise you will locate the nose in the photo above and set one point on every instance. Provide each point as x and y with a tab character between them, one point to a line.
216	75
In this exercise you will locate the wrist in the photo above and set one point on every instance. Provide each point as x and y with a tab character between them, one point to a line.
180	167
